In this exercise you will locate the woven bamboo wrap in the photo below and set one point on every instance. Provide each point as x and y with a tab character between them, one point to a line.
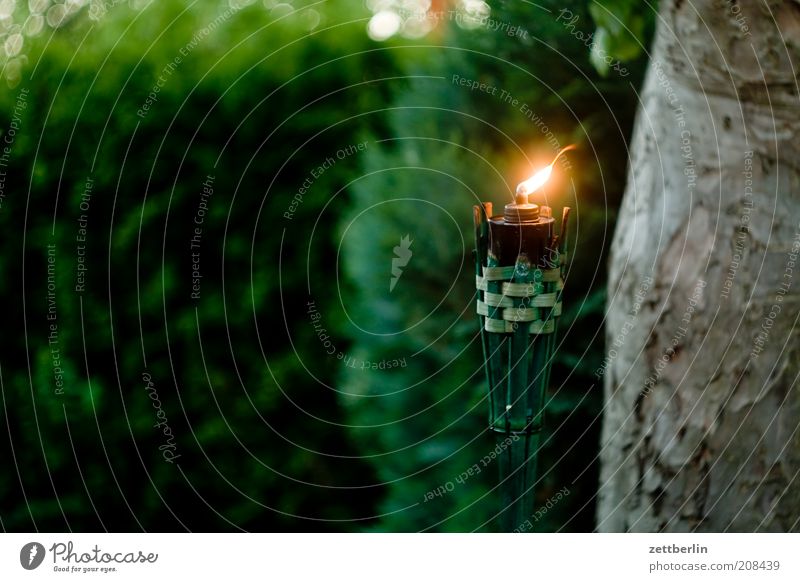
536	303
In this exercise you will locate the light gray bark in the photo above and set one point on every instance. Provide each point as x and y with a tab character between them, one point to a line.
701	380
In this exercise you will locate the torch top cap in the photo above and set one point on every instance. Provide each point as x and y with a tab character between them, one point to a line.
521	210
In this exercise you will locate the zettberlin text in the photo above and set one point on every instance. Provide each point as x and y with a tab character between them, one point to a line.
673	549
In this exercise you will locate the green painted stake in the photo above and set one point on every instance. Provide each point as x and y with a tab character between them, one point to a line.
518	468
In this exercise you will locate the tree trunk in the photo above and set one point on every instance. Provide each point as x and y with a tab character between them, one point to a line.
701	375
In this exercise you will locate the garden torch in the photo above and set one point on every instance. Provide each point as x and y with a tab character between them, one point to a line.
518	272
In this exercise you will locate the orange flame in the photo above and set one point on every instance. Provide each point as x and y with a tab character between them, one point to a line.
539	178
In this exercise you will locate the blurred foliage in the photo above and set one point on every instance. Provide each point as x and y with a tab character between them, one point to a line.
240	404
268	424
623	30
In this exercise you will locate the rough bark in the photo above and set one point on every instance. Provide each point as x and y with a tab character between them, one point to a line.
701	380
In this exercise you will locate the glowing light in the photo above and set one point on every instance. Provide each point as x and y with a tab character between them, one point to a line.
280	10
7	8
383	25
56	14
13	45
310	18
417	27
33	24
37	6
542	176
